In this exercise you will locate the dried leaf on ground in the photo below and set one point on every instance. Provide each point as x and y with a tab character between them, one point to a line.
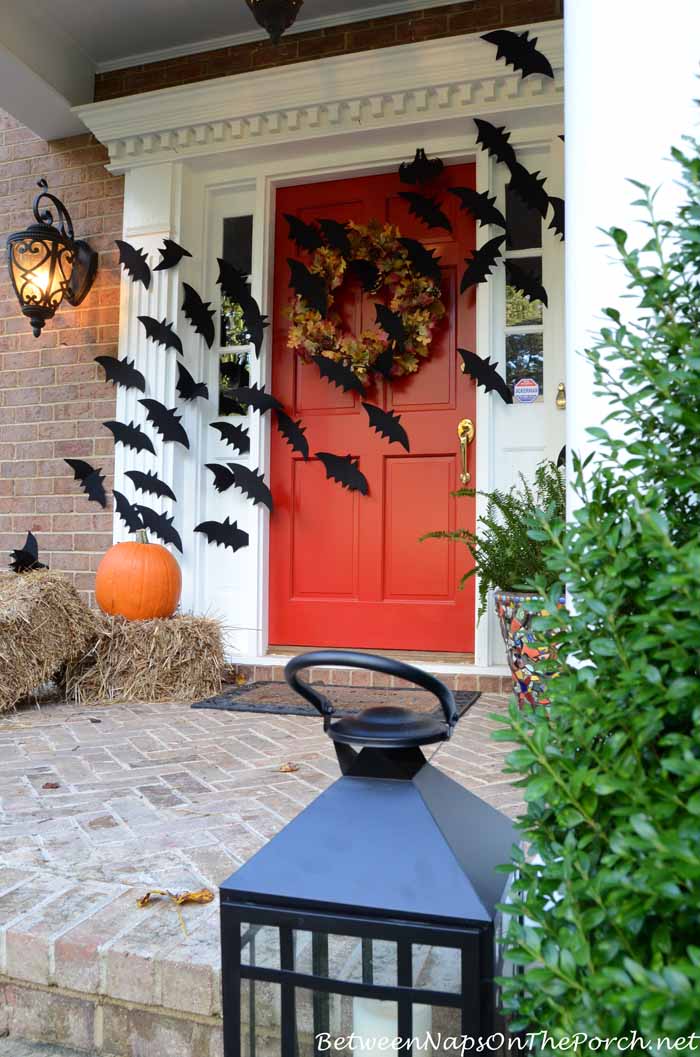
203	895
288	768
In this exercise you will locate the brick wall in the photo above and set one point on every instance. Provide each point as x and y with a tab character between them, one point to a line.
470	16
53	398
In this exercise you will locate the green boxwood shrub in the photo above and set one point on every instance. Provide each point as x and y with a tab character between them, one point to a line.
607	928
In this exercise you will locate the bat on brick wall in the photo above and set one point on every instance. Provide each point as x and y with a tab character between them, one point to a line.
166	422
171	255
530	188
161	333
481	263
387	424
122	372
160	525
422	259
421	170
200	315
90	480
519	52
345	470
426	209
485	374
186	386
522	280
224	534
479	205
308	286
293	432
392	325
304	236
26	558
134	262
341	376
252	484
235	436
255	396
150	484
131	436
557	222
494	140
336	236
366	272
127	512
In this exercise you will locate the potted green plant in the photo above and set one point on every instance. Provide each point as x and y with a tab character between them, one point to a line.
509	563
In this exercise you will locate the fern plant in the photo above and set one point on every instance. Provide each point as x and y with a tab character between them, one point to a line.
503	553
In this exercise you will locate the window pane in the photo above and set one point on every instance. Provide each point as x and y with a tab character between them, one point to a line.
260	945
524	361
261	1016
520	310
233	372
437	968
524	230
238	251
346	958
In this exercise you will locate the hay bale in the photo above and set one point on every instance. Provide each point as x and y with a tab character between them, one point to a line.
44	625
149	660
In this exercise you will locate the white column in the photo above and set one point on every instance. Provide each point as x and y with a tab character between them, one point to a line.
631	80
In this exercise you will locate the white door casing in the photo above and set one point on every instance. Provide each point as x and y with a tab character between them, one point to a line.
195	154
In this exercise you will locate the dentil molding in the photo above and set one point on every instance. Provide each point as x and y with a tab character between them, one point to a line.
410	83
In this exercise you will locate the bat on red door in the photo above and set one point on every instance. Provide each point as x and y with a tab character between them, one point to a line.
341	376
122	372
519	52
494	140
345	470
224	534
166	422
479	205
150	484
293	432
127	512
366	272
336	236
161	333
423	259
134	262
426	209
308	286
481	263
485	374
387	424
421	170
384	362
199	313
305	236
90	480
392	325
131	436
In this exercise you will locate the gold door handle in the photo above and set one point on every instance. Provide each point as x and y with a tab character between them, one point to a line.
465	432
560	400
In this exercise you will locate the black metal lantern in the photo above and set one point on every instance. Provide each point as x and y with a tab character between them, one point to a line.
372	915
47	264
275	16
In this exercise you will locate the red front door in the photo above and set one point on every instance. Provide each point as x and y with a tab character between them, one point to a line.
347	570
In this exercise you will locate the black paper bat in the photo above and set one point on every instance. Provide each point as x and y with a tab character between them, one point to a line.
481	262
122	372
561	458
519	52
200	315
161	525
385	361
186	386
224	533
522	280
223	477
131	436
135	263
167	423
293	432
127	512
336	236
392	324
234	284
90	480
26	558
426	209
150	484
308	286
479	205
387	424
494	140
422	259
172	254
558	212
305	236
161	333
344	469
530	188
235	436
486	374
255	323
341	376
421	170
365	271
255	396
252	484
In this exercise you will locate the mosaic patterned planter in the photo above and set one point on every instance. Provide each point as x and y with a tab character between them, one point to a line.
531	665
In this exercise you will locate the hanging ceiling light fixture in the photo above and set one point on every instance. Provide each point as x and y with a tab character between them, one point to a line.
47	264
275	16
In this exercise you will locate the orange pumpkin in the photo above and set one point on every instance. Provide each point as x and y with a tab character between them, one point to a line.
138	580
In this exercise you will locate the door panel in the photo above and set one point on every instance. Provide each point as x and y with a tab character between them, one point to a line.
347	570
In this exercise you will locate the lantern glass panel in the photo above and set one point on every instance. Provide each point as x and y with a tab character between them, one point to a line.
437	968
441	1023
260	1019
346	958
260	945
41	270
339	1017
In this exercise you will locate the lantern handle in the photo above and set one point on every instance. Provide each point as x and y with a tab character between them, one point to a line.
45	216
370	662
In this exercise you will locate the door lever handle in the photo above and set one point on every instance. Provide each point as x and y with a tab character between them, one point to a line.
465	432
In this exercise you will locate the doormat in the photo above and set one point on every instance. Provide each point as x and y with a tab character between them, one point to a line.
277	699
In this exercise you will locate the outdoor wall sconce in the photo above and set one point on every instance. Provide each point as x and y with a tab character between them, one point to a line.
275	16
373	911
47	264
